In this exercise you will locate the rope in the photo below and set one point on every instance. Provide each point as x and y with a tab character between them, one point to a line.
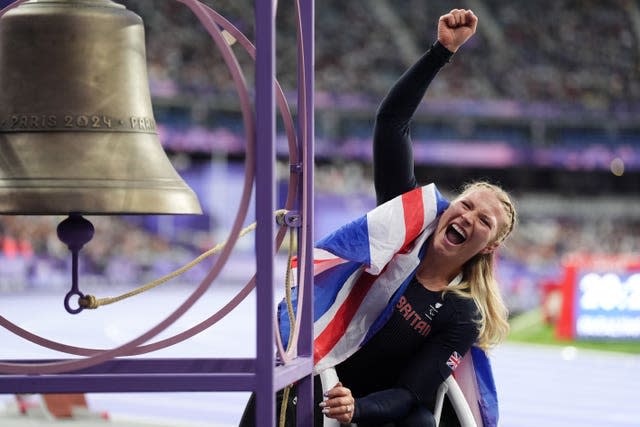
90	301
292	321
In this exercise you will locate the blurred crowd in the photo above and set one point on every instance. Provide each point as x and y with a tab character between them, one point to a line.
563	51
122	251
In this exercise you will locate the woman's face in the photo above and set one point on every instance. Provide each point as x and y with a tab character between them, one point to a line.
470	225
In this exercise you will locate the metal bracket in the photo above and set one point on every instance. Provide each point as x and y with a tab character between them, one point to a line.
289	218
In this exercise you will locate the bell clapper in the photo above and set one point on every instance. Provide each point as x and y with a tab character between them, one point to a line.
75	231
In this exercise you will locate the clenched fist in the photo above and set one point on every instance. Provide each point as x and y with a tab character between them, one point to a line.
456	27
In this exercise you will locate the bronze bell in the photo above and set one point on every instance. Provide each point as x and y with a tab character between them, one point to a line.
77	132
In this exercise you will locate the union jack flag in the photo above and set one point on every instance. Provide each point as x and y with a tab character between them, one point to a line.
454	360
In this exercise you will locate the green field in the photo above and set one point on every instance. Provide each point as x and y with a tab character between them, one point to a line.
530	328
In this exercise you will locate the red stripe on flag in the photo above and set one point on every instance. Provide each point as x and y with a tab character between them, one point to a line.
337	327
412	205
294	261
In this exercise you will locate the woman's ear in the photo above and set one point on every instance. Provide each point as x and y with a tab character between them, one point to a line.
489	248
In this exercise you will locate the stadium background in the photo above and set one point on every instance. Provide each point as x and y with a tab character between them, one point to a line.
544	100
546	107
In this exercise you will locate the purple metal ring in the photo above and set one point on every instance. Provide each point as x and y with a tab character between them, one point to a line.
67	299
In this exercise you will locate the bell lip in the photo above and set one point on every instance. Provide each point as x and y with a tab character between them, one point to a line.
20	201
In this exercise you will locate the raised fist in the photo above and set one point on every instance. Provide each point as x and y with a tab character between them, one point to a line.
456	27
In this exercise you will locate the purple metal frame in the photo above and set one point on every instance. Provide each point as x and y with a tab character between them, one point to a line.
260	374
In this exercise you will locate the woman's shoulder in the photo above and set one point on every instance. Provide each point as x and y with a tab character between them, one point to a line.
460	304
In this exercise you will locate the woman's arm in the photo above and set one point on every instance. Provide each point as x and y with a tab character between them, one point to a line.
378	408
393	166
384	406
440	355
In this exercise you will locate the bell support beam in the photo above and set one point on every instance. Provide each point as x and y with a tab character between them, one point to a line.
148	375
257	374
265	203
306	79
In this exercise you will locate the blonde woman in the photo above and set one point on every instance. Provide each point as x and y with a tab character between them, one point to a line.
452	301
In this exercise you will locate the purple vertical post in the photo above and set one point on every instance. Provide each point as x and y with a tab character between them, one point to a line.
305	342
265	202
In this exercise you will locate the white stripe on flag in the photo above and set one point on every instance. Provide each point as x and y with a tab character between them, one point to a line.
386	233
430	203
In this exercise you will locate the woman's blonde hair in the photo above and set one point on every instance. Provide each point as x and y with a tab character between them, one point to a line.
479	280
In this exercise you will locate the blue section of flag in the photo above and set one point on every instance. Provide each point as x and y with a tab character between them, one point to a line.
351	241
441	202
488	395
324	293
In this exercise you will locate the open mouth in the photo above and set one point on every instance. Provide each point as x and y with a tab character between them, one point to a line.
455	234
